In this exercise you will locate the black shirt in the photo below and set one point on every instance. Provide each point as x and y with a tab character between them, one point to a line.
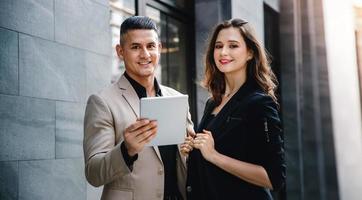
168	153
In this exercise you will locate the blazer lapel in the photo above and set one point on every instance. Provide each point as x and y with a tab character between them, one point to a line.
210	105
220	119
131	97
218	124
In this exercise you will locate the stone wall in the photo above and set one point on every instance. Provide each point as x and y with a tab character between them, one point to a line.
53	55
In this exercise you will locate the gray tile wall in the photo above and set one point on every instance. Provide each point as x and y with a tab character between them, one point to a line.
9	177
96	76
58	179
83	24
27	128
69	130
102	2
51	70
9	62
53	55
31	17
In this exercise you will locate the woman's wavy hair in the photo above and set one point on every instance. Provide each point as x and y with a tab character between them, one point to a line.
258	68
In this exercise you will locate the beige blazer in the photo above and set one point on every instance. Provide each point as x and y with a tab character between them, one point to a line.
107	115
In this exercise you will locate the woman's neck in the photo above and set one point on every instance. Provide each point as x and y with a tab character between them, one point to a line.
233	81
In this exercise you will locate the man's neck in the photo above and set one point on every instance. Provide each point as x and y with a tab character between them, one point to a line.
147	82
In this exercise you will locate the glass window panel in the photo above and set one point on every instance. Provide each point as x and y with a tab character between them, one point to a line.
172	68
177	55
157	17
175	3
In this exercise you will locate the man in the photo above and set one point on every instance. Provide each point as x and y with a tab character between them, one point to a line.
115	137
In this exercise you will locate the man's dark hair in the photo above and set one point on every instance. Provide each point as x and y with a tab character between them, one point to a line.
136	22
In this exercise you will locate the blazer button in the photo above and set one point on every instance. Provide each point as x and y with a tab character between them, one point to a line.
160	171
188	189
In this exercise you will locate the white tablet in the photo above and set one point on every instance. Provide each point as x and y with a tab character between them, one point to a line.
171	115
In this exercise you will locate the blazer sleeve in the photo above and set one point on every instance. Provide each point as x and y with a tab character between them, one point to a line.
274	158
102	156
189	127
181	168
189	123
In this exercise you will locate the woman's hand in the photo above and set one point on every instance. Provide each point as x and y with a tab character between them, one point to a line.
205	143
187	146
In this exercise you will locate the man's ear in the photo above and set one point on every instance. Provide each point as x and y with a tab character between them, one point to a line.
159	47
119	51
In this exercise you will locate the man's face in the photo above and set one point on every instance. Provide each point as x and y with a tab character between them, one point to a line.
140	52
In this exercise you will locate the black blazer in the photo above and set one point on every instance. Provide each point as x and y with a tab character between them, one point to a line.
248	129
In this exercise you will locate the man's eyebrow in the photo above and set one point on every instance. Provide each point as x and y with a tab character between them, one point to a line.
136	43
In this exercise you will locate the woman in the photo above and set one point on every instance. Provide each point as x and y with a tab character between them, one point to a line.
238	149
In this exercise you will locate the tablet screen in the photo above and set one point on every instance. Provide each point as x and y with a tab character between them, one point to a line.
171	115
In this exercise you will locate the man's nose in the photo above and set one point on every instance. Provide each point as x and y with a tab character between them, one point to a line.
145	53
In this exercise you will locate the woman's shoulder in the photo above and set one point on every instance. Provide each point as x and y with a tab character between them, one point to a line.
209	104
260	103
259	98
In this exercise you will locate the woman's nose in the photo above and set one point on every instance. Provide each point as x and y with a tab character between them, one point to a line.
223	51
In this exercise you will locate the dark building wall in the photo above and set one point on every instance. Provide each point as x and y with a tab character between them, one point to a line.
306	108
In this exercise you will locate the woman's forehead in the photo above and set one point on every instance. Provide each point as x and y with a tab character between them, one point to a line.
229	34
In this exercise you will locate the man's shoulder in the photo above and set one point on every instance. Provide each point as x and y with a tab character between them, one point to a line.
107	91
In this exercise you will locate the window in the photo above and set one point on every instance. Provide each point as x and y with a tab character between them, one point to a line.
173	69
177	64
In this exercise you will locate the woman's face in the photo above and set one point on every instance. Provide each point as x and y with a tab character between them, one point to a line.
230	51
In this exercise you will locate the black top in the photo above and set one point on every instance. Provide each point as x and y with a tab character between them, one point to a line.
247	128
168	153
